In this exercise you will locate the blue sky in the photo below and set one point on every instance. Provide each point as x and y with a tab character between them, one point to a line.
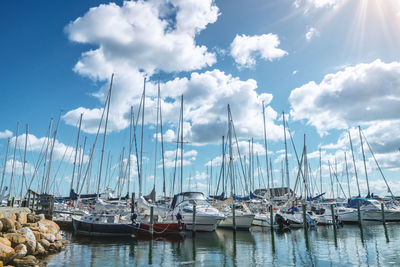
331	64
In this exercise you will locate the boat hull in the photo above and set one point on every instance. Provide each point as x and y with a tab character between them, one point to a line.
203	223
243	222
102	229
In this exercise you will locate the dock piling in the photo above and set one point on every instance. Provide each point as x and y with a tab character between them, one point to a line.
383	212
151	220
271	216
359	213
194	219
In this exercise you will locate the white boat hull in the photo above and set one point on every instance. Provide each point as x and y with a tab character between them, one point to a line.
243	222
204	223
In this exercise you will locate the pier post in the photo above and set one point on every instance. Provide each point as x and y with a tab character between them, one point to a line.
194	220
12	202
359	213
333	216
383	212
233	216
271	216
151	220
304	207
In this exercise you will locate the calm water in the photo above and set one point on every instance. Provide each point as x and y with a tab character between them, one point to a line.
371	246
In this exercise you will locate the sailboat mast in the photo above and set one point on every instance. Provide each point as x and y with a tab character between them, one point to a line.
130	152
162	138
51	154
365	164
354	164
24	164
141	140
286	155
320	170
13	164
104	137
223	165
265	144
76	152
182	143
347	173
5	165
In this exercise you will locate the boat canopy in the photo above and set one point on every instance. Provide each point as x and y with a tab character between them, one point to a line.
178	198
353	202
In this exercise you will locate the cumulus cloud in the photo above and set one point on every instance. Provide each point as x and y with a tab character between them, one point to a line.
60	152
18	167
360	94
245	49
135	40
312	32
5	134
153	36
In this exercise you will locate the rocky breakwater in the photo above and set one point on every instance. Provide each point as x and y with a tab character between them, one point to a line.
27	238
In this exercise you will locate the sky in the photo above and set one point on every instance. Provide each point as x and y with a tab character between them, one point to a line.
330	65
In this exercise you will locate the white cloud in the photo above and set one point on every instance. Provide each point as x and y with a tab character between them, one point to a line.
133	41
37	144
361	94
5	134
18	167
244	49
312	32
294	72
140	43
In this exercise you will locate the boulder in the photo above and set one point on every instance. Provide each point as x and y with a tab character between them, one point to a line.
59	245
6	253
5	241
28	232
26	261
16	238
44	243
18	225
30	246
8	224
33	218
37	235
20	251
49	237
41	217
1	226
59	237
22	217
40	249
52	227
42	229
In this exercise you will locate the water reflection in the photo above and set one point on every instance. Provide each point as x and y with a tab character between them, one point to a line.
365	246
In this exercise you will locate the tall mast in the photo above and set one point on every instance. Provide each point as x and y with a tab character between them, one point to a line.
330	176
365	164
162	138
5	165
13	164
76	152
23	165
320	170
230	148
82	155
252	161
347	173
141	141
354	164
156	143
182	143
250	180
223	165
286	155
265	144
45	159
104	137
130	152
51	154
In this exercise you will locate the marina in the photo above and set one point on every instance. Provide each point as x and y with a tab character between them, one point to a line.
200	133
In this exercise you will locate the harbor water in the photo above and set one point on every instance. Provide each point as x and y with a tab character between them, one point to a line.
370	245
